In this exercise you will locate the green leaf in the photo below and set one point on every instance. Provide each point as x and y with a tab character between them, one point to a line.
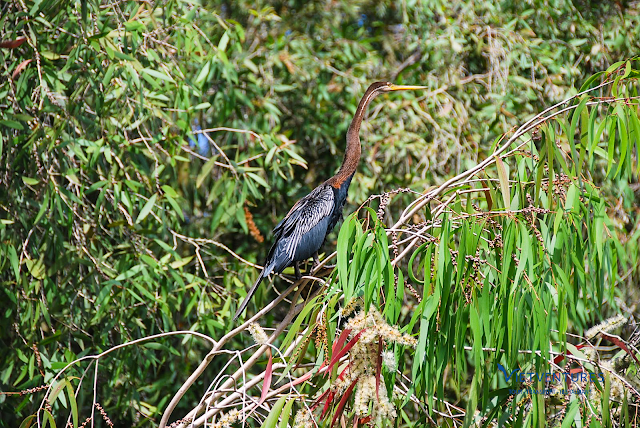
589	82
30	181
224	40
286	414
28	421
205	171
614	66
606	401
13	259
72	402
259	180
295	327
275	412
123	56
12	124
158	74
204	72
503	176
48	418
571	413
36	268
624	137
345	241
50	55
147	208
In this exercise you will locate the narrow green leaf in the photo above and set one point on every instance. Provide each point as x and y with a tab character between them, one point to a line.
224	40
28	421
295	327
30	181
158	74
606	401
345	240
575	118
259	180
612	140
588	83
624	137
147	208
614	66
205	171
275	412
13	259
204	72
286	414
503	176
73	403
48	418
12	124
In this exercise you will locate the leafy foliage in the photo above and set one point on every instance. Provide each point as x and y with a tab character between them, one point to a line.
148	148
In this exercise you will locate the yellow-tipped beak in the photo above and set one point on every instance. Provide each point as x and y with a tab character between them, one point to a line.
393	87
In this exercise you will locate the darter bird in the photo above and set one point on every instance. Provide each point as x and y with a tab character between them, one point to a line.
303	230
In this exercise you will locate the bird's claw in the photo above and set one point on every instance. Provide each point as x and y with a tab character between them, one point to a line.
316	262
298	274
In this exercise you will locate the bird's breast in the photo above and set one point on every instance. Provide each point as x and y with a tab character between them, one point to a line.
339	197
342	190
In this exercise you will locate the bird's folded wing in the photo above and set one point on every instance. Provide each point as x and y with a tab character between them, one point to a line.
306	213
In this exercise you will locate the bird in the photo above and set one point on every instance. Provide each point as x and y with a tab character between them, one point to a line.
202	145
304	229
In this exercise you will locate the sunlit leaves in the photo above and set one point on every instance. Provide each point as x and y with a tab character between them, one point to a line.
516	280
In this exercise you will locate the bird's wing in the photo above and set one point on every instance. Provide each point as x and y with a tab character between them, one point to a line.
308	210
304	215
307	213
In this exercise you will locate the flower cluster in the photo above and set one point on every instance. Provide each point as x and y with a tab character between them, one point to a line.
606	326
227	419
258	334
373	333
373	326
389	361
381	408
303	419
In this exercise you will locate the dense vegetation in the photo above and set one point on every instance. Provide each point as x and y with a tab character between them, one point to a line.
148	148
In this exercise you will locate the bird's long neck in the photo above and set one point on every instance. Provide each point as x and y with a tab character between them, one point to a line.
354	149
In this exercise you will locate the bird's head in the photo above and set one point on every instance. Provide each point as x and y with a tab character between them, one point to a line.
375	89
389	87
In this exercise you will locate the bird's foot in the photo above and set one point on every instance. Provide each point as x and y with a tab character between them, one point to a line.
316	262
298	274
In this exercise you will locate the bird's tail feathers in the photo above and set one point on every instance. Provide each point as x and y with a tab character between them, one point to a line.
250	294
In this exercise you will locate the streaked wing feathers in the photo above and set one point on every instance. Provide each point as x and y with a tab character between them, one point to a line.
304	215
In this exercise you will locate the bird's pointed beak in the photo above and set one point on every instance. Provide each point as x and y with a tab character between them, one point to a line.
393	87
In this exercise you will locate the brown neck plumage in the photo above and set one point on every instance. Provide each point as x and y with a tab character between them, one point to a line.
353	150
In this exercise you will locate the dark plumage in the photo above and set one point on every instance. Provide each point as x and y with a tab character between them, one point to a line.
303	230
